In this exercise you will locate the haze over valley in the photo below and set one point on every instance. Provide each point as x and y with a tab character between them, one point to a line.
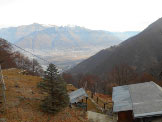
65	46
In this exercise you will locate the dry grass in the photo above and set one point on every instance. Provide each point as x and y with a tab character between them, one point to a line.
102	99
70	88
23	100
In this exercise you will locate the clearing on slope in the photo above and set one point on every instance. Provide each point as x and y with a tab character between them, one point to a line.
23	100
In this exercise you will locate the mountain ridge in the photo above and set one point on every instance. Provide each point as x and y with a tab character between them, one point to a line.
140	52
69	36
61	43
8	33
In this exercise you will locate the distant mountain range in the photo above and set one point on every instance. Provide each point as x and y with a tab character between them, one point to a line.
64	34
67	37
143	52
125	35
14	34
62	44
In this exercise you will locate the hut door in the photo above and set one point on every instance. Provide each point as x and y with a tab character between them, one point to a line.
125	116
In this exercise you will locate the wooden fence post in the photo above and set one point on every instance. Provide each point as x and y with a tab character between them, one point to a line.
86	103
92	95
82	100
104	105
3	88
97	100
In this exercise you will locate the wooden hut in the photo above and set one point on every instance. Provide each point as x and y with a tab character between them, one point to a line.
77	96
140	102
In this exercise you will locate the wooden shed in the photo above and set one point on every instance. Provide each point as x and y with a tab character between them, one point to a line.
77	95
140	102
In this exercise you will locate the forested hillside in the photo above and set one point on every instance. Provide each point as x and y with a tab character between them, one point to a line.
141	52
9	58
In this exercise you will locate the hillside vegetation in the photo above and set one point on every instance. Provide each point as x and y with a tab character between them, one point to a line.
23	101
9	58
141	52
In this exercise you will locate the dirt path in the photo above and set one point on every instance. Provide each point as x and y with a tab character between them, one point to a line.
97	117
97	106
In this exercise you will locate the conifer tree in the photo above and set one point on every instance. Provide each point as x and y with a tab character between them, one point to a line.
55	87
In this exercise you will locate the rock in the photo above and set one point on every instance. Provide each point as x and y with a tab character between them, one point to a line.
2	119
17	86
15	103
5	77
68	115
36	99
81	119
40	92
21	98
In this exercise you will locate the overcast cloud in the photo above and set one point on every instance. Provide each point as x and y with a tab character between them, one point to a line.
112	15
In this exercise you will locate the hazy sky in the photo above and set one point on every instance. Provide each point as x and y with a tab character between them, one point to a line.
112	15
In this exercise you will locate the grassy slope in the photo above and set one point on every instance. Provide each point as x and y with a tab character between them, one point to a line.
23	100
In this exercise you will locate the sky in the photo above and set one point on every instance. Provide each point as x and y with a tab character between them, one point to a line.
111	15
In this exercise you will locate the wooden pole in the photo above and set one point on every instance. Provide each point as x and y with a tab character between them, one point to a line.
82	100
92	95
70	105
2	83
104	105
86	103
